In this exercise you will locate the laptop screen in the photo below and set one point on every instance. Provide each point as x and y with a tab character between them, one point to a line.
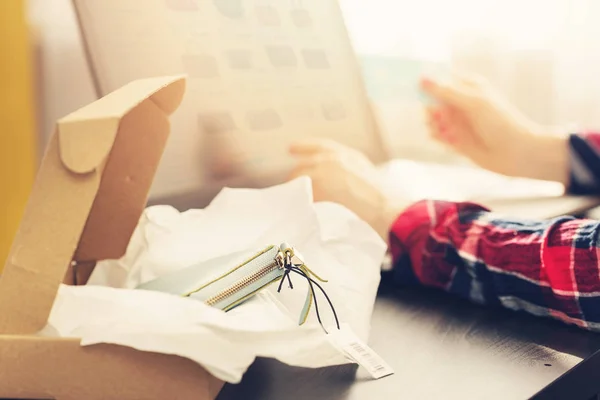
260	75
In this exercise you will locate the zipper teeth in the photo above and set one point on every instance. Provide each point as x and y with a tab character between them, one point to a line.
230	291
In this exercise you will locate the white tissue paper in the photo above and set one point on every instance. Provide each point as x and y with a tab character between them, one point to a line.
334	242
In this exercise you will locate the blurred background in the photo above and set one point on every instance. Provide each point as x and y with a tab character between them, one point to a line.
543	54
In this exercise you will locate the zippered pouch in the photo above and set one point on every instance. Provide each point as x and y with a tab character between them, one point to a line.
219	285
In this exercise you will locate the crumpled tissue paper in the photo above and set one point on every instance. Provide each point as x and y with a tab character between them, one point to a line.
335	243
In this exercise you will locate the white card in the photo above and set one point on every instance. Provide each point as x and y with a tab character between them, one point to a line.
398	78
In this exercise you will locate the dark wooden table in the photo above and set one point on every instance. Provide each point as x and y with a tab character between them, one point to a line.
442	347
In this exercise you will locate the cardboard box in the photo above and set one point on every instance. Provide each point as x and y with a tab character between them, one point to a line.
91	189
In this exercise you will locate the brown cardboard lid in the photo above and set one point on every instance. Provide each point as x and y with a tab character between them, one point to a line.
86	136
134	157
90	191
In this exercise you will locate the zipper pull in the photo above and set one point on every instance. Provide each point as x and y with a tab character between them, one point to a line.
293	258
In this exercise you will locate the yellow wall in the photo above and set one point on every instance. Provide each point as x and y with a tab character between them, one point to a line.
17	131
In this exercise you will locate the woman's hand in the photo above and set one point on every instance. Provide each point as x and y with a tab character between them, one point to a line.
477	122
345	176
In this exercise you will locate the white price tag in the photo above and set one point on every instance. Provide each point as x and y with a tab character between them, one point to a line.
355	349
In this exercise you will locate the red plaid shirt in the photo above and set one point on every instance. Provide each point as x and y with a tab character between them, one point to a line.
547	268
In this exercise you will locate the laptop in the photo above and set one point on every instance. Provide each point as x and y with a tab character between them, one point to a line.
262	74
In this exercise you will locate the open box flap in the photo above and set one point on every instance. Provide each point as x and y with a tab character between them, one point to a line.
86	136
90	191
134	157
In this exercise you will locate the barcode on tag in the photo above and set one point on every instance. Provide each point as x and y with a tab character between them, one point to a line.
373	361
358	351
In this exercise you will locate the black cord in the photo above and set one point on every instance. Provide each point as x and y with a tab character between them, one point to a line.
311	281
286	274
290	280
292	268
314	296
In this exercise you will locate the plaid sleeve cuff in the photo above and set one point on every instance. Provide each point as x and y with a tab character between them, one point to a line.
410	228
419	240
406	238
410	236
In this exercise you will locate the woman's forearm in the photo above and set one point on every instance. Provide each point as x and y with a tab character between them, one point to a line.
573	160
544	157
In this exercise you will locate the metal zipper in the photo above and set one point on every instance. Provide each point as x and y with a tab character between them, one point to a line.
246	281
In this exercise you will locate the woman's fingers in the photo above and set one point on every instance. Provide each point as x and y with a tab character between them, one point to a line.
312	146
441	124
308	164
448	94
431	122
